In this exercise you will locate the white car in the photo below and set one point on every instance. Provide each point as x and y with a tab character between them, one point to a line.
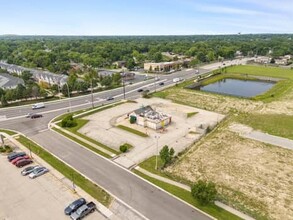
38	172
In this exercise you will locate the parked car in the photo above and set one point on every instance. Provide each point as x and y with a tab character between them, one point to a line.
28	170
74	206
23	162
19	158
140	90
36	116
38	172
83	211
161	83
14	155
110	98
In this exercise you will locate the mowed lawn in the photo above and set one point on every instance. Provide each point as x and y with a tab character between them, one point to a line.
276	72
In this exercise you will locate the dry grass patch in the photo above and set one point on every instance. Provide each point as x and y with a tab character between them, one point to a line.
253	176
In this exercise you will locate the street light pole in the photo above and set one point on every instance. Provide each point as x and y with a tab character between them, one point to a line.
92	93
123	83
157	139
68	97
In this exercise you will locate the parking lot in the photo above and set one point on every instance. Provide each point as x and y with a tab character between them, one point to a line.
42	198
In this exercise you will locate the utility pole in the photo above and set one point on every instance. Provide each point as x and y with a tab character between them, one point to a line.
123	84
157	139
68	96
92	95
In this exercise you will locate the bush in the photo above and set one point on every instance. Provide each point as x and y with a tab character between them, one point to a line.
123	148
204	192
132	119
68	122
5	149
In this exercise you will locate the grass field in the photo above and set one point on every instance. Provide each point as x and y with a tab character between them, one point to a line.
276	72
8	132
131	130
279	125
91	188
185	195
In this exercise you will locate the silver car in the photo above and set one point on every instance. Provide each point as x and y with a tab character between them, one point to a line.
38	172
28	170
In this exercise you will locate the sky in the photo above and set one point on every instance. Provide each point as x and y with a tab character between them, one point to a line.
145	17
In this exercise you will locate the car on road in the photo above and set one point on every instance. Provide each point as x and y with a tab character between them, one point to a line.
19	158
110	98
28	115
146	91
38	172
36	116
28	170
38	105
161	83
23	162
14	155
74	206
140	90
83	211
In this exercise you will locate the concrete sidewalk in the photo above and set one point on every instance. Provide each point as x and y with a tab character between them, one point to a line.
248	132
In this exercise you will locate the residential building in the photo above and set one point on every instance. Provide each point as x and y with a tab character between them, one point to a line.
8	81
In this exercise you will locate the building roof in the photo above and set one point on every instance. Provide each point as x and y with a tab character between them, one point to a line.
9	82
143	110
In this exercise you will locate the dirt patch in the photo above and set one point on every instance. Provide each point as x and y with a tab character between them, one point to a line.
252	175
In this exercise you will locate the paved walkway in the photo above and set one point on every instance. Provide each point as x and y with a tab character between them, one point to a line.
84	140
217	203
248	132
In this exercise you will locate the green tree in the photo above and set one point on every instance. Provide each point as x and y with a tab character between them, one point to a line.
204	192
4	102
26	76
166	155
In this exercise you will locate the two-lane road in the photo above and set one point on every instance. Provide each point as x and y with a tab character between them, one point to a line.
143	197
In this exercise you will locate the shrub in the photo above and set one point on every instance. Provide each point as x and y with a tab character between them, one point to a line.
123	148
5	149
68	122
132	119
204	192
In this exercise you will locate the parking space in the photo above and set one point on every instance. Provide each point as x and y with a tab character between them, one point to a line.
42	198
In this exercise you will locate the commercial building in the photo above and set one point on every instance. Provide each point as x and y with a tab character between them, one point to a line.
164	66
147	117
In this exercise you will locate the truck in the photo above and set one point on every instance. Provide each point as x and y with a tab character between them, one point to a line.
38	105
83	211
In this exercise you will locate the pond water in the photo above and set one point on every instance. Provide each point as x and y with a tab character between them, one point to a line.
236	87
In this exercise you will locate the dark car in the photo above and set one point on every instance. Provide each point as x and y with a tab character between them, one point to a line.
14	155
74	206
24	162
110	98
36	116
14	161
140	90
162	83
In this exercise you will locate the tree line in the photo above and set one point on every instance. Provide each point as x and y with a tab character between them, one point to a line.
56	54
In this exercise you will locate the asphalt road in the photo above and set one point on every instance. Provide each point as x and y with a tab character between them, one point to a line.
145	198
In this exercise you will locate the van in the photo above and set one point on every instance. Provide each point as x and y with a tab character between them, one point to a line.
38	105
